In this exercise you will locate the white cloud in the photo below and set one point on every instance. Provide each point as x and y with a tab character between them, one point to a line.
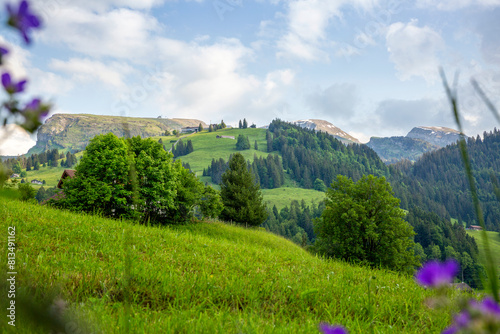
414	50
119	33
202	79
308	21
337	102
87	70
14	140
456	4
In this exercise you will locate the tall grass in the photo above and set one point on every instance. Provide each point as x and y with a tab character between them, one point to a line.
493	282
200	278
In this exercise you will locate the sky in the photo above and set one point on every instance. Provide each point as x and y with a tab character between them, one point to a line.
370	67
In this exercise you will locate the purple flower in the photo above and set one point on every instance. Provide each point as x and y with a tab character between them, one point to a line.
488	306
435	274
22	19
3	52
10	86
450	330
327	329
462	319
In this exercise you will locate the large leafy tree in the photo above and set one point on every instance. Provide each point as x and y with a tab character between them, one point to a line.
362	222
166	191
241	196
101	182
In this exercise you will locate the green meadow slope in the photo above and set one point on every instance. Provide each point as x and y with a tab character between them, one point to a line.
199	278
494	242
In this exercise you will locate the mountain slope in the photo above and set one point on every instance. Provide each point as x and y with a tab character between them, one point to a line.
324	126
418	141
198	278
73	131
439	136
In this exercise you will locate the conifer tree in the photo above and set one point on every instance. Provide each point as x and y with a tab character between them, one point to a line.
200	127
240	125
240	195
245	123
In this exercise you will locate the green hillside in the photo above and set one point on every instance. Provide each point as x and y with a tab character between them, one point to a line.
198	278
207	146
494	241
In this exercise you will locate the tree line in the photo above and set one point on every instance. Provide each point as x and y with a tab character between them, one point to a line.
267	172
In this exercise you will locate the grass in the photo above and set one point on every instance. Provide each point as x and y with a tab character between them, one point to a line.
282	197
207	146
199	278
494	242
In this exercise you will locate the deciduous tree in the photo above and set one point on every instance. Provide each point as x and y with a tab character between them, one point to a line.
362	222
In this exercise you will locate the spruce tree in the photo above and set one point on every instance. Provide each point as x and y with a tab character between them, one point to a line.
240	195
200	127
240	125
245	123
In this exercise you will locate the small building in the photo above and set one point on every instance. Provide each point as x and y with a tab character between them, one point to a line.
67	173
189	129
36	182
475	228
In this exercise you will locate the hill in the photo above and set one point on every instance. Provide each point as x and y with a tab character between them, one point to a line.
198	278
327	127
418	141
73	131
494	241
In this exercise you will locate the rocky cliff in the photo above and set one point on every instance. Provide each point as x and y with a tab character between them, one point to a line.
73	131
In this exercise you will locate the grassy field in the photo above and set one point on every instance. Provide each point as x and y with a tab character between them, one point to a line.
282	197
207	146
494	241
117	277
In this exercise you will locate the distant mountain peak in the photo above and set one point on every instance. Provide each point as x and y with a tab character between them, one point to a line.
436	135
325	126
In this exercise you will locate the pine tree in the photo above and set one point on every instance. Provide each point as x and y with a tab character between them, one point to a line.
222	124
256	146
240	125
245	123
200	127
241	197
210	128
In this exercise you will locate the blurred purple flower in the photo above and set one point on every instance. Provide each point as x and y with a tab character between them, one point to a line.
23	19
327	329
487	307
10	86
3	52
450	330
462	319
435	274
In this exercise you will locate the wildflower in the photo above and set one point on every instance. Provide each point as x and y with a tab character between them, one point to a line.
10	86
327	329
436	274
34	112
23	19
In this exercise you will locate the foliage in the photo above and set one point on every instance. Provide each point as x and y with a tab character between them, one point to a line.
442	240
27	192
240	195
438	183
181	149
211	203
243	143
362	222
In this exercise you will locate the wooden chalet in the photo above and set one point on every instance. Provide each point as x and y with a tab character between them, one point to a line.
67	173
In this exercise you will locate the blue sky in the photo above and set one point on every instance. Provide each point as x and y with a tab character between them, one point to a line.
369	67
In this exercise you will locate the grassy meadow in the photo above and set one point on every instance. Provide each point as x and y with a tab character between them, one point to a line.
494	241
205	277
